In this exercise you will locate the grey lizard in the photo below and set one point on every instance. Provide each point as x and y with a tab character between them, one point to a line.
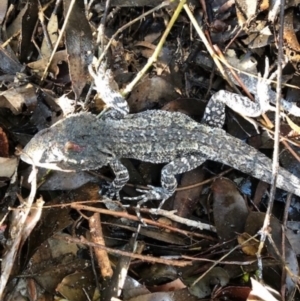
83	142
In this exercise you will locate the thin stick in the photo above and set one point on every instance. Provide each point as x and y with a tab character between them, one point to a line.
275	166
100	254
163	4
158	48
146	258
207	45
101	29
221	259
59	38
104	52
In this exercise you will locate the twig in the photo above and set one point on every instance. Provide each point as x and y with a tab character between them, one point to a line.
121	269
9	257
44	27
275	166
101	254
104	52
295	278
163	4
146	258
171	215
158	48
223	257
205	182
124	214
101	29
244	262
283	245
61	33
207	45
286	145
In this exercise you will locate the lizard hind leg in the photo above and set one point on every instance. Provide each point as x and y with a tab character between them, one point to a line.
214	114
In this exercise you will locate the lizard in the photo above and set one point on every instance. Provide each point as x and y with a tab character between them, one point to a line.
84	141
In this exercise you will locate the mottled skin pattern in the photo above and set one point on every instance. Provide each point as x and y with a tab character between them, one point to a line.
83	141
215	110
152	136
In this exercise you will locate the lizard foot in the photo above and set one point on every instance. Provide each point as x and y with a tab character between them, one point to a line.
154	193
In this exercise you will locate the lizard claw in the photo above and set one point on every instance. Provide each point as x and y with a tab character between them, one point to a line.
154	193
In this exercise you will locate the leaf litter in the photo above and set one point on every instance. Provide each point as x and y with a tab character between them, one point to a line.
47	249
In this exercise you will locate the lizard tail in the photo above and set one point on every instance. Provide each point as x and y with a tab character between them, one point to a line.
247	159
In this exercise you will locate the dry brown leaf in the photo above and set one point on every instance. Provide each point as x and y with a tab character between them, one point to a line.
4	146
83	289
293	126
227	205
8	166
40	65
19	98
260	292
149	93
3	8
9	61
79	46
185	201
25	24
52	28
250	247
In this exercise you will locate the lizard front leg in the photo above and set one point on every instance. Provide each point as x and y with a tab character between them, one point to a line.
107	89
122	177
168	180
214	114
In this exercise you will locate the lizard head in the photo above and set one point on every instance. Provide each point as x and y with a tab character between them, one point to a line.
44	151
69	145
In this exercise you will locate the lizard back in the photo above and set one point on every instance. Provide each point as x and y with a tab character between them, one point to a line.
161	136
154	136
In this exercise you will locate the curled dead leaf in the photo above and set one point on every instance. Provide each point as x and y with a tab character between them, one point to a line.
250	247
8	166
